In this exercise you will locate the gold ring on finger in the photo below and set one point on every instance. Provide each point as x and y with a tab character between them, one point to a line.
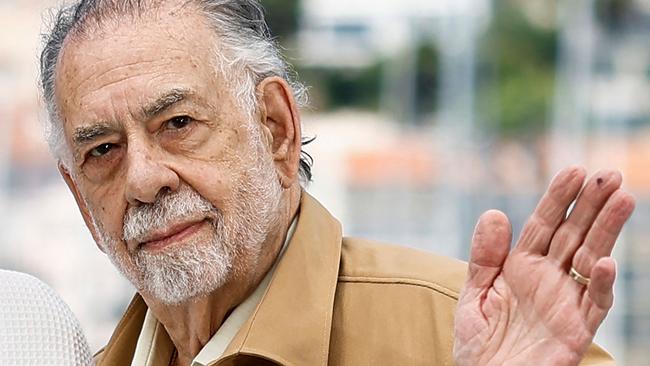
579	278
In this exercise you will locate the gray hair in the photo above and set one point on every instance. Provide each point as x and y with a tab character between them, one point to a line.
247	48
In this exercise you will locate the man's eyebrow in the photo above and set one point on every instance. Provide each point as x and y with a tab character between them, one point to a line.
164	102
87	134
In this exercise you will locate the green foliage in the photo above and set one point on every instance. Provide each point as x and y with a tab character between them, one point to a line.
282	17
427	81
361	88
515	73
613	14
344	87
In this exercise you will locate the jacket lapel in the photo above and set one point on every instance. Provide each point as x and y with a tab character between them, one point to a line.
120	348
292	324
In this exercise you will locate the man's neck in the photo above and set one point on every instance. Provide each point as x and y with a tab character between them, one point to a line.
192	324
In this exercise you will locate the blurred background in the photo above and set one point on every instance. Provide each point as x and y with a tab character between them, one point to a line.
425	114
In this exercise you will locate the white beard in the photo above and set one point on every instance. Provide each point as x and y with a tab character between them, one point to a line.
179	273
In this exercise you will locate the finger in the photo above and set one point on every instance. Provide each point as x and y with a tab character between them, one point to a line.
551	210
591	200
601	286
490	247
600	291
602	236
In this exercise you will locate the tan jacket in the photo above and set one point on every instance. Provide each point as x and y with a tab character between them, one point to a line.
339	301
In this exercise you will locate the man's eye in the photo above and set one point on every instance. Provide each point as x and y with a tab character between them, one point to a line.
101	150
179	122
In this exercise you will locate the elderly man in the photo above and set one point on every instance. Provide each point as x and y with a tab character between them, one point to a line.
177	128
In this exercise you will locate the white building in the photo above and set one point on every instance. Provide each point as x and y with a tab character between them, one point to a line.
355	32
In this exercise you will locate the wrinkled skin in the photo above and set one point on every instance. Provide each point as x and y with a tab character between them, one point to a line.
520	307
131	141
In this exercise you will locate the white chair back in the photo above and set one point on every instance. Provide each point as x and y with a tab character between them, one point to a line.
36	326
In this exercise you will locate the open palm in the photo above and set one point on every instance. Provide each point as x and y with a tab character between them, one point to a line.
521	306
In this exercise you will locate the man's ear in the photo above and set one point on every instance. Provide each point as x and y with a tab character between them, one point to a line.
279	115
85	213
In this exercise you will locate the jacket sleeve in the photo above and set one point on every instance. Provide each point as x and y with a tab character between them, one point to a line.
596	356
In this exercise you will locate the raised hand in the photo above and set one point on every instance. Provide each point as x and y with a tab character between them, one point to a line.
522	307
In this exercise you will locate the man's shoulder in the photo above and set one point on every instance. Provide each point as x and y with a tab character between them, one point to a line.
367	261
394	305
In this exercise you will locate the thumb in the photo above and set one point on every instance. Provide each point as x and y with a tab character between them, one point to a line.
490	247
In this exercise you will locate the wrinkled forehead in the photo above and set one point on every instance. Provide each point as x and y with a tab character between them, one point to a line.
165	48
100	15
129	33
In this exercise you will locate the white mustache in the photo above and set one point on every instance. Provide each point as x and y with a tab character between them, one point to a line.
169	208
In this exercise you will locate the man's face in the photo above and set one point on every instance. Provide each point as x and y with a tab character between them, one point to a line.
180	189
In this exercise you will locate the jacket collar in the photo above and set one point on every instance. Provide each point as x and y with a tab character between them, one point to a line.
292	323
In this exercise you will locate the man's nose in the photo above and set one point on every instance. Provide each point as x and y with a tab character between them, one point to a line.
147	175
